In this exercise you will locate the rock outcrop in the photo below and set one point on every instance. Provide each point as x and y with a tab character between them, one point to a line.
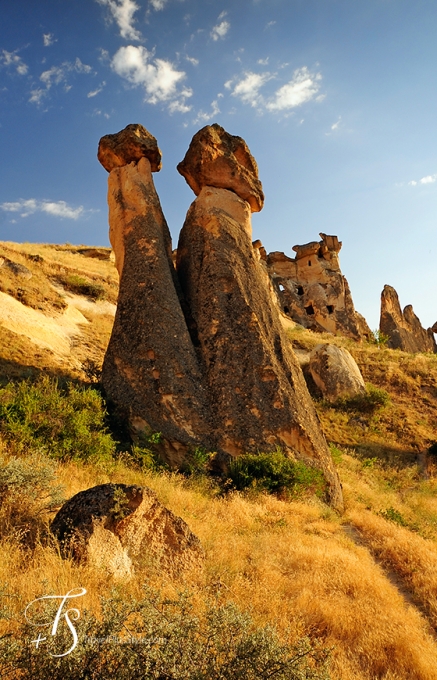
127	146
312	290
150	372
200	355
216	158
122	528
335	372
403	328
257	391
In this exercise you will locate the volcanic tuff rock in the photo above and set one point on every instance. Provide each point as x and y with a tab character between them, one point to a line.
150	371
312	290
224	376
403	329
335	372
259	396
121	527
130	144
216	158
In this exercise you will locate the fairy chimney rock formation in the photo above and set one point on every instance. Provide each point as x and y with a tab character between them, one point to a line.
127	146
217	159
312	290
258	395
403	328
151	372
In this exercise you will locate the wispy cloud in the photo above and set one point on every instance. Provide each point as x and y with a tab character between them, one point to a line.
57	75
48	39
263	62
30	206
158	4
158	77
303	87
429	179
12	60
122	11
247	89
95	92
270	24
219	30
203	117
192	60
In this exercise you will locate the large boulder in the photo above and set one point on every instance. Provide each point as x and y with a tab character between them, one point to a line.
217	159
122	528
127	146
256	386
335	372
150	373
403	328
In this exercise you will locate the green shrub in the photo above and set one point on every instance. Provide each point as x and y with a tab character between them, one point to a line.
62	422
152	638
81	286
368	402
393	515
28	492
274	472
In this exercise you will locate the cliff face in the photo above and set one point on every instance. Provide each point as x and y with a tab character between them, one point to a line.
403	328
312	290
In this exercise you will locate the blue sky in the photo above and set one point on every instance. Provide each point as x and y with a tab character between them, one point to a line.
337	100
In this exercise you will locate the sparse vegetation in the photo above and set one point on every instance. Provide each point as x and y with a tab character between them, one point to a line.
82	286
367	402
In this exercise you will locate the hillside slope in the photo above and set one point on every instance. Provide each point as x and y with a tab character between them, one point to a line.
364	583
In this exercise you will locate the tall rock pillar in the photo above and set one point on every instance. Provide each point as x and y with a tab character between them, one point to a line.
150	371
257	391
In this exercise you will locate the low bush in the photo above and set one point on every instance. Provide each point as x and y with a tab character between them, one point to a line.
28	492
81	286
155	639
274	472
63	422
367	402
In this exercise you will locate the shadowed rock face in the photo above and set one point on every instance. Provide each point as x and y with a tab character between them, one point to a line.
216	158
150	371
120	527
312	290
256	387
130	144
403	329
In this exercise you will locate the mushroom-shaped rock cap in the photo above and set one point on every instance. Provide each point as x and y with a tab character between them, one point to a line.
130	144
217	159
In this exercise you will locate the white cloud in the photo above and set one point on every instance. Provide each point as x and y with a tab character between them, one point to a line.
158	76
270	23
248	88
158	4
48	39
123	12
203	117
55	76
336	125
12	59
55	208
302	88
95	92
192	60
219	31
263	62
429	179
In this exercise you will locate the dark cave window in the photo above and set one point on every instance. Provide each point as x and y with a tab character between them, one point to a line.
309	263
309	310
300	290
330	309
286	310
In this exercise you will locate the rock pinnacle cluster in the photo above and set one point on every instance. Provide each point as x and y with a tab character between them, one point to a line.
198	352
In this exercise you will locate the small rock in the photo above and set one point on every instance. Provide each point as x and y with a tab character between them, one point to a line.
122	528
16	268
130	144
217	159
335	372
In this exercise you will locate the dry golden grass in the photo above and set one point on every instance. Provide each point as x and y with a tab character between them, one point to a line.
290	564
